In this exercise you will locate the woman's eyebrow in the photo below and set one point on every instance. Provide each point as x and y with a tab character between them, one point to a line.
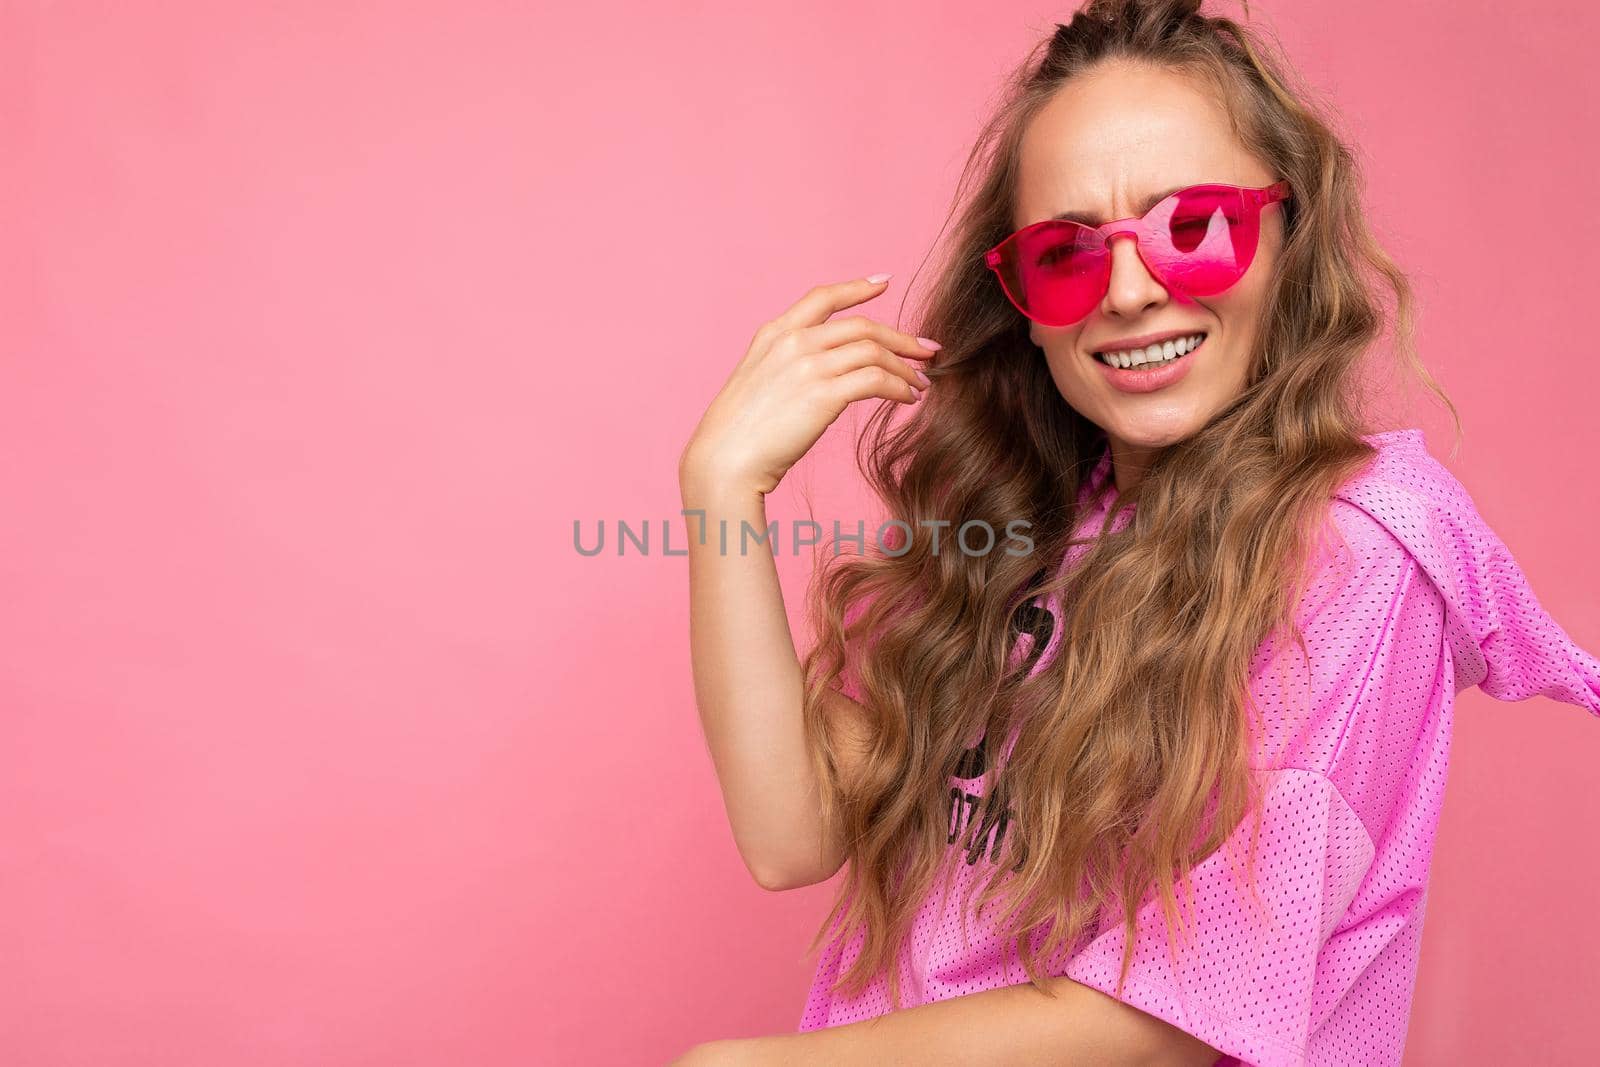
1089	220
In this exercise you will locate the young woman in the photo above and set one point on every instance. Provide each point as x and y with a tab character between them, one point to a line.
1163	786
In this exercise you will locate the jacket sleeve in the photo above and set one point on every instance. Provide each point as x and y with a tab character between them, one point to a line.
1316	965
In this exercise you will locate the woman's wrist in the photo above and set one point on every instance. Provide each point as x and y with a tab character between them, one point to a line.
703	482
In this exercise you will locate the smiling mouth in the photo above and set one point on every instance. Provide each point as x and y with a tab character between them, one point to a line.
1153	355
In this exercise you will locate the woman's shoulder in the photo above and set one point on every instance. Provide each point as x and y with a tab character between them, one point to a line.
1404	490
1405	505
1377	526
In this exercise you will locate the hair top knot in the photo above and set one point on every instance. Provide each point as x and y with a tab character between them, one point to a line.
1148	12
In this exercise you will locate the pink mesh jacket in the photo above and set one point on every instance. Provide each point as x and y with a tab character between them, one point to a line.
1413	599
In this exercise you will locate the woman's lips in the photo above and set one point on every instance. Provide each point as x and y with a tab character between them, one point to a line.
1148	379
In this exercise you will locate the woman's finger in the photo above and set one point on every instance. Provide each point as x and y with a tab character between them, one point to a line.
836	332
867	353
817	304
870	381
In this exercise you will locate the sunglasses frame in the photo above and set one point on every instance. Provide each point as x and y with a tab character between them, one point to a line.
1142	230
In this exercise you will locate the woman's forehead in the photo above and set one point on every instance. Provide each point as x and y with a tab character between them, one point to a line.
1111	138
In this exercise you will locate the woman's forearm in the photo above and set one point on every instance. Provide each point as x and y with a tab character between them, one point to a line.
802	370
748	687
1012	1024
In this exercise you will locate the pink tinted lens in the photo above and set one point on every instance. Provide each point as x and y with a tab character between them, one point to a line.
1055	273
1202	240
1196	242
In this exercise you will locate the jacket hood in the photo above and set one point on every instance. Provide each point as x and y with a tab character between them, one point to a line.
1502	639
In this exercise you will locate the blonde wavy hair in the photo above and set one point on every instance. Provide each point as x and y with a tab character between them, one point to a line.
1140	724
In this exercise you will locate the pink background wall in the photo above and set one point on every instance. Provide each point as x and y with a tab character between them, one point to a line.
322	323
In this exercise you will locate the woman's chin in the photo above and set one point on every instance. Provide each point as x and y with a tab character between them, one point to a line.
1157	431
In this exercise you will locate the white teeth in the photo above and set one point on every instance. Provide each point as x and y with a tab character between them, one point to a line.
1152	354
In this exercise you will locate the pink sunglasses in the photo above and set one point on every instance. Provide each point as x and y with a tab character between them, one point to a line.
1196	242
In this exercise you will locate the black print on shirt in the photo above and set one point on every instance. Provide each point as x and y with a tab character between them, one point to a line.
990	829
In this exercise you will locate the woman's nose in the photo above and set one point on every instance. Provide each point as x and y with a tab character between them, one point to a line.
1133	288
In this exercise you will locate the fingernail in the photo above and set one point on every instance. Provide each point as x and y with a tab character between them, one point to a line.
932	346
876	278
916	394
923	378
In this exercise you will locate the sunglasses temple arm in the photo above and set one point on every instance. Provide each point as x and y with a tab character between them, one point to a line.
1275	191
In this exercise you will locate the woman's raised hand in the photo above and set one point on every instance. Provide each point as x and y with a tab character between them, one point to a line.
802	370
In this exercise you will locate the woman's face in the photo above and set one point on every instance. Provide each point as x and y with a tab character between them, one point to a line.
1110	144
